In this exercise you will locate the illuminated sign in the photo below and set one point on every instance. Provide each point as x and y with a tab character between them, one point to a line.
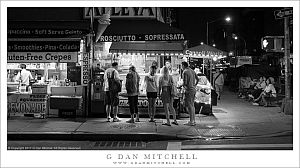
41	57
50	33
121	12
204	53
43	46
144	37
273	43
85	69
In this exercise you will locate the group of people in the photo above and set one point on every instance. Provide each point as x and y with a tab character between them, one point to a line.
162	87
260	91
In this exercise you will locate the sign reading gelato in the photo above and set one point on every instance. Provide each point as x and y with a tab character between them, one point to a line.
144	37
121	12
51	33
42	57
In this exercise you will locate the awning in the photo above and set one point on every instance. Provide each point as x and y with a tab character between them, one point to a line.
140	30
205	51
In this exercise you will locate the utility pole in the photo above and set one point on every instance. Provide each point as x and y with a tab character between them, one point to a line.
287	58
286	14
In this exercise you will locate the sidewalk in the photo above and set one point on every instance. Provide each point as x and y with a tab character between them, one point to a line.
233	118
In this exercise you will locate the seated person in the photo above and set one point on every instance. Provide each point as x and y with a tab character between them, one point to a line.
245	85
269	91
258	88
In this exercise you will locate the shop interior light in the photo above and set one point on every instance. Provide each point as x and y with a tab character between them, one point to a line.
167	54
215	58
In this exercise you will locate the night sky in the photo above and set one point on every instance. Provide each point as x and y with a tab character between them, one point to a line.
249	23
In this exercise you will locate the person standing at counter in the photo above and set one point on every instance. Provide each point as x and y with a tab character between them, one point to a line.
132	88
111	96
24	76
165	85
190	80
151	89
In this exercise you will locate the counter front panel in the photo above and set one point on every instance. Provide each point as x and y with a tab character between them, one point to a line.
19	104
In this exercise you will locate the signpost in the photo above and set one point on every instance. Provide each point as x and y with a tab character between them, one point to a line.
286	14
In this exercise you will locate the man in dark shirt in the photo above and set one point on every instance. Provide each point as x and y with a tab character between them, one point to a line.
190	80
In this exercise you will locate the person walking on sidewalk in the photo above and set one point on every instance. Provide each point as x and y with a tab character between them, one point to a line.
218	79
151	89
111	82
165	85
190	80
132	88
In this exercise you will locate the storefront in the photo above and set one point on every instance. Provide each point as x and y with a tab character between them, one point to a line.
52	51
138	42
55	45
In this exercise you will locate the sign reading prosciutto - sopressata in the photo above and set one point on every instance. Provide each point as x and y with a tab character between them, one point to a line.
121	12
144	37
42	57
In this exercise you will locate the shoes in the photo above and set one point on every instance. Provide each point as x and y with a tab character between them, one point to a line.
175	122
116	120
255	104
166	124
137	120
130	121
108	119
251	96
190	124
219	98
151	120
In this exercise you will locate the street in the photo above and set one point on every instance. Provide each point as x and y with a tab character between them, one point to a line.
282	142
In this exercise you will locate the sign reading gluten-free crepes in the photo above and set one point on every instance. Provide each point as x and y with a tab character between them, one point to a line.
41	57
33	51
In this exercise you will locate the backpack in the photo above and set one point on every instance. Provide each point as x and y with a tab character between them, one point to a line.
114	84
130	83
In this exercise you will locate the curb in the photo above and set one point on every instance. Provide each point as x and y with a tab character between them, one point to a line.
72	136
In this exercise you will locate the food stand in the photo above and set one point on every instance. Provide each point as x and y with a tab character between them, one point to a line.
48	60
150	40
208	55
